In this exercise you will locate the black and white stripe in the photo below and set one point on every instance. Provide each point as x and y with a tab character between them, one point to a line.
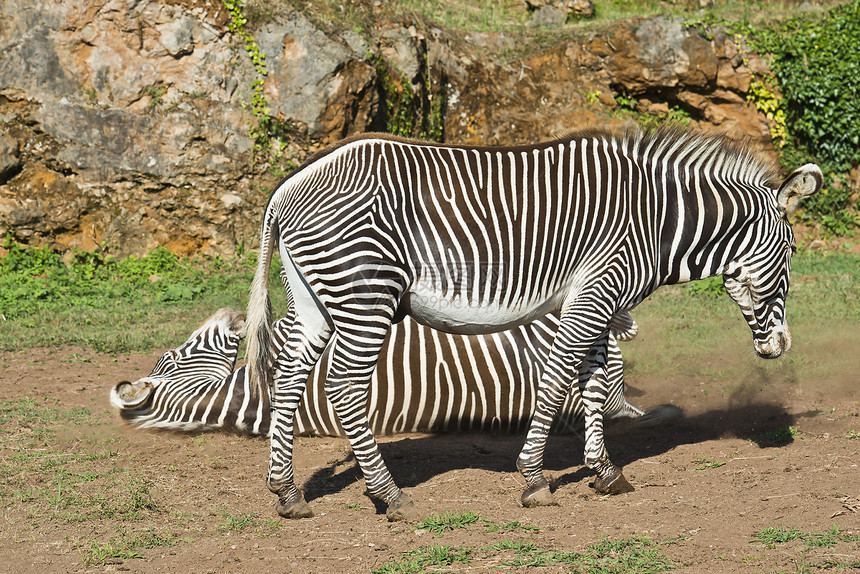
426	381
478	240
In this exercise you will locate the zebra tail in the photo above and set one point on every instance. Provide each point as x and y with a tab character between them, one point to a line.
259	315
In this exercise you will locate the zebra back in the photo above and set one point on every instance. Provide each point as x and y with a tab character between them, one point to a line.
426	381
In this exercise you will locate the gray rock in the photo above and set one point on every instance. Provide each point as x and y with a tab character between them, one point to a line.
314	79
400	46
177	36
30	67
10	163
548	16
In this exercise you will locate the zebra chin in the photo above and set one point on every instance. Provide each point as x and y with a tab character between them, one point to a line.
127	395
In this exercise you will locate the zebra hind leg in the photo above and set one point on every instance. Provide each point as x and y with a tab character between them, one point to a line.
354	358
292	367
552	390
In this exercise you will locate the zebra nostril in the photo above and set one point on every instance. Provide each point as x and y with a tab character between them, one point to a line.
781	338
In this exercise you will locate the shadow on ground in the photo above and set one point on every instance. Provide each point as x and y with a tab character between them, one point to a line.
414	461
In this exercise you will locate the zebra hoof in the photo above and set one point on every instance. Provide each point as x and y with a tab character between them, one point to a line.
402	509
614	483
538	495
295	508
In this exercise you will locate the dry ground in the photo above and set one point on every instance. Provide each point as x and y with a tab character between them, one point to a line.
76	497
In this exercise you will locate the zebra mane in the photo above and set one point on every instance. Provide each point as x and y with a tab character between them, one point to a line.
684	144
688	145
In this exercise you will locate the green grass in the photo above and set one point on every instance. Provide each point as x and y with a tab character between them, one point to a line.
116	306
774	535
705	464
628	555
509	526
680	326
777	437
447	521
430	558
633	554
250	521
65	479
124	546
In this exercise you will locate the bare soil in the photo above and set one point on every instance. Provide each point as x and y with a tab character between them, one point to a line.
703	487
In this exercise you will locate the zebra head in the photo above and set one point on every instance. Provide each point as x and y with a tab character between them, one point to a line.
758	280
209	352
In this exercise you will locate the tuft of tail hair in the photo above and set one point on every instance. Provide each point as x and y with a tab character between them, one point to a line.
259	316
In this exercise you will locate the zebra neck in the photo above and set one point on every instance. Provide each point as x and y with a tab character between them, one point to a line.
706	229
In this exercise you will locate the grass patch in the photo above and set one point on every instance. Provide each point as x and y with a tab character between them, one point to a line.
250	521
65	479
777	437
124	546
434	556
774	535
705	463
633	554
509	527
447	521
116	305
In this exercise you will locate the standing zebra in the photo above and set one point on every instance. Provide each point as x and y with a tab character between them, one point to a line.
473	240
460	383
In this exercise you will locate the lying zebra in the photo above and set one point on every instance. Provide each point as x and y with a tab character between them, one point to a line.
426	381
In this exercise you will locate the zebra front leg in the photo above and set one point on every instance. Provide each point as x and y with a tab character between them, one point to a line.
353	360
292	367
551	393
595	387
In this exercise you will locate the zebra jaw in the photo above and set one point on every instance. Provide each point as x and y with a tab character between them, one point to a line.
128	395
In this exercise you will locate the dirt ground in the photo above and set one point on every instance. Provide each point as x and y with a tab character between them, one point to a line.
704	489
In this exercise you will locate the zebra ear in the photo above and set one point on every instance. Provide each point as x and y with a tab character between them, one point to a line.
805	181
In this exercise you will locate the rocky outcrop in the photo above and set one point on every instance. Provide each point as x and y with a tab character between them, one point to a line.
658	63
125	125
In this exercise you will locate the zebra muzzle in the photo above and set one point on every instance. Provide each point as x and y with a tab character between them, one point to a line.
128	395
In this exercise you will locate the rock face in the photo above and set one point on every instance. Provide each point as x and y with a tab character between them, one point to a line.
125	125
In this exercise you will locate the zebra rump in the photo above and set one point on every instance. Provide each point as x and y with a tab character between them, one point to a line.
426	381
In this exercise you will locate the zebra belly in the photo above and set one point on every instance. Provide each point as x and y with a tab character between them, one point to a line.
457	314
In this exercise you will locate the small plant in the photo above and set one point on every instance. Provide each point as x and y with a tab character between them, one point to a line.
829	538
777	437
439	523
156	93
233	523
626	102
124	546
772	536
266	127
853	434
708	464
508	526
592	96
771	106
